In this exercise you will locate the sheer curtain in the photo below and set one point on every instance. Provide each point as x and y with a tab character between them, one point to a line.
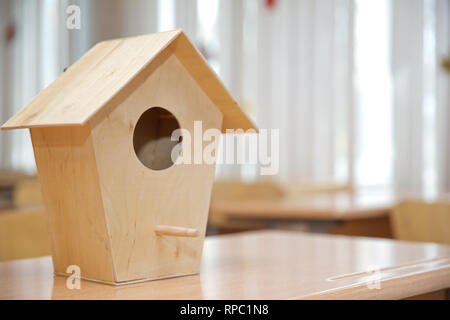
33	54
305	54
354	86
420	40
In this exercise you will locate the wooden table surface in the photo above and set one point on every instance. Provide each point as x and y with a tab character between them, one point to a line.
264	265
339	206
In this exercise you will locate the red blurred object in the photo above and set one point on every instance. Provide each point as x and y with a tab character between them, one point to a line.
271	3
10	32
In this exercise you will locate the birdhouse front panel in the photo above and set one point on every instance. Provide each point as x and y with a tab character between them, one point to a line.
141	187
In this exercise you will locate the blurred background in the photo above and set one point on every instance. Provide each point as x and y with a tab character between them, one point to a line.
360	91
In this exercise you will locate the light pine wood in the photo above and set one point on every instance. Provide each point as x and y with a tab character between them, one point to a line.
177	196
417	220
90	82
264	265
104	204
71	191
108	68
23	234
176	231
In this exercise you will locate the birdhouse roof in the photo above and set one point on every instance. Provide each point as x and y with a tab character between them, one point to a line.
91	82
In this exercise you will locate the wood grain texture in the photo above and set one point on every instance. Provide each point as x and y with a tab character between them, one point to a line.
138	199
264	265
174	231
70	187
107	69
103	204
90	82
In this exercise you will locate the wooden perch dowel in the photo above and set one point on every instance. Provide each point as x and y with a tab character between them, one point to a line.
176	231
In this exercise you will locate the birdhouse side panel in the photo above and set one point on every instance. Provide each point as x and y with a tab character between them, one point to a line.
75	217
137	198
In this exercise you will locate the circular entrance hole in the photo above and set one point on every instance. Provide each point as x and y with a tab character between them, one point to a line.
151	138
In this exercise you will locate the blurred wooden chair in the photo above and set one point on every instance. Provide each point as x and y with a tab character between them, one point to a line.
23	234
416	220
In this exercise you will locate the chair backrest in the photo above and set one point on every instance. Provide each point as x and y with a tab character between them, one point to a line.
23	234
416	220
27	193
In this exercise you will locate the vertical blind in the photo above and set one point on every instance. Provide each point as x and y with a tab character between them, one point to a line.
355	87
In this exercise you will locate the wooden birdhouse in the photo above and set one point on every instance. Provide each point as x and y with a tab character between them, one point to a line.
117	206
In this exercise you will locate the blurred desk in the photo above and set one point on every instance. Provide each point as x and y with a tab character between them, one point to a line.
341	206
264	265
362	213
